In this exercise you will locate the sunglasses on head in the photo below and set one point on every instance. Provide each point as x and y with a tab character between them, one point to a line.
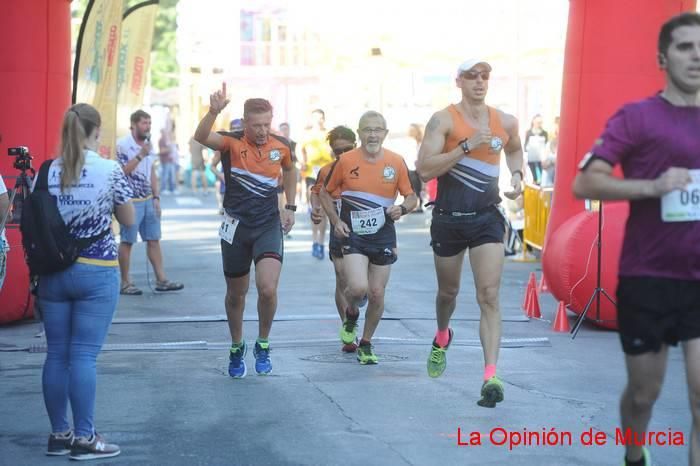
342	150
471	75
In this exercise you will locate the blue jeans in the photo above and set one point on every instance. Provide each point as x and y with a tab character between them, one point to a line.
167	176
77	305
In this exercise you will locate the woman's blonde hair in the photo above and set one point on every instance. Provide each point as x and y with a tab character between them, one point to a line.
78	123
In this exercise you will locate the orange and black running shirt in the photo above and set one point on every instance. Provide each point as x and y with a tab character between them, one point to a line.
252	174
366	190
320	180
471	184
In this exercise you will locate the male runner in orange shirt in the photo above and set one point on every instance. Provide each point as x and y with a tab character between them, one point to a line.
462	149
253	224
369	178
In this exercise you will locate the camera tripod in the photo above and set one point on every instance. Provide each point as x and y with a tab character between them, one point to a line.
23	186
599	290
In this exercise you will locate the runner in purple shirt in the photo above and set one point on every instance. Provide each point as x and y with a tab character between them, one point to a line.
657	143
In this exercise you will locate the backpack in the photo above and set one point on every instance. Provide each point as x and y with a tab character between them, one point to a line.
48	244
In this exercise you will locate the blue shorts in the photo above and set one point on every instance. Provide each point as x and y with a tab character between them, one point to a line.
147	224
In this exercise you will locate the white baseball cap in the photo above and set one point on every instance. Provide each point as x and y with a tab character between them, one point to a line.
470	63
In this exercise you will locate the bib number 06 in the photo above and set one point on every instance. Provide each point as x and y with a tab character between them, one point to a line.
683	205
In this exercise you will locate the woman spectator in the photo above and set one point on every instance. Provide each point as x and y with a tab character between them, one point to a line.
78	303
536	145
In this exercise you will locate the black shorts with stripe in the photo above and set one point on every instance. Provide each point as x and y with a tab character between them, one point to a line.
452	234
251	245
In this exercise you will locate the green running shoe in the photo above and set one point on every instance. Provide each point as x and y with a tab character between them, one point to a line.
348	331
491	393
645	454
366	356
437	361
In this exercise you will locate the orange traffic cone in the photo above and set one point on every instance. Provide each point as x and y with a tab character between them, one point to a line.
542	287
531	284
532	281
526	302
561	320
533	305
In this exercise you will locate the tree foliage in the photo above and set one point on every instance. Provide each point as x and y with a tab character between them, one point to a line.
164	67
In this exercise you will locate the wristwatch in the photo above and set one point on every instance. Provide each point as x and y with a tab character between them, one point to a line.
404	210
291	207
139	157
464	145
519	172
156	197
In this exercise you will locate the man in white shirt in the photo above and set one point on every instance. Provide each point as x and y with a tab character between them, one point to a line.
136	156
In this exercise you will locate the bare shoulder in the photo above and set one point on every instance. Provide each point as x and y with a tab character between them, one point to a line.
508	121
440	122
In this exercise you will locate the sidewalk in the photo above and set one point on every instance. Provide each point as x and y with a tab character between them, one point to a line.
165	397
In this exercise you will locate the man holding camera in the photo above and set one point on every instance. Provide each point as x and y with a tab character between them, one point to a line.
135	154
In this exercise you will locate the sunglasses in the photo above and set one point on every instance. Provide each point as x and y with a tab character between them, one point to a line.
472	75
370	131
342	150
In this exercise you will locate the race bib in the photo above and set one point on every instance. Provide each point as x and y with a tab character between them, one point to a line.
367	222
683	205
228	228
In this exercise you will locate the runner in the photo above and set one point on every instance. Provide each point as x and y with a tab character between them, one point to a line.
462	149
253	225
315	153
657	143
341	139
368	179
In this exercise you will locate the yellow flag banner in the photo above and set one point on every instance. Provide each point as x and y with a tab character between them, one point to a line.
96	61
134	60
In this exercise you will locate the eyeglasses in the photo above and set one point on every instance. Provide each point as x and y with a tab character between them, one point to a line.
373	130
342	150
472	75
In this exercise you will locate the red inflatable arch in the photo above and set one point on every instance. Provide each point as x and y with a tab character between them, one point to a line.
35	89
610	59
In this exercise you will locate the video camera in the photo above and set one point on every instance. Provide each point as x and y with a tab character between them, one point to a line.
23	161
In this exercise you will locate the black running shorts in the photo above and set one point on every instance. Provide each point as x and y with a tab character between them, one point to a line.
451	235
251	244
379	251
335	248
656	311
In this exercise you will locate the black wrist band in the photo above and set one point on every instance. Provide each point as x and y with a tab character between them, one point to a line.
156	197
464	145
520	172
291	207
